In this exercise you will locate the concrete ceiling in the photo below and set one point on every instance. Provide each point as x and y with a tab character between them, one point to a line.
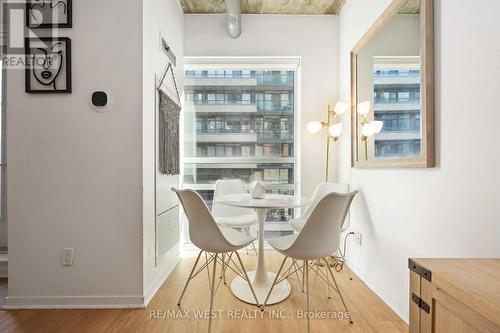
410	7
291	7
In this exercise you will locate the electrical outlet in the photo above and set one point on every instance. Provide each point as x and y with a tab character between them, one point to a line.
67	257
358	238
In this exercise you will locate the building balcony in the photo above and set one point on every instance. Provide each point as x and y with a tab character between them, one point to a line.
397	105
222	106
276	81
226	137
398	135
275	136
396	80
225	108
220	81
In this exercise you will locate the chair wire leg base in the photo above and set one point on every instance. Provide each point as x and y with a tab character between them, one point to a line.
297	268
327	284
303	274
221	275
190	277
307	297
254	249
248	280
274	283
338	290
212	292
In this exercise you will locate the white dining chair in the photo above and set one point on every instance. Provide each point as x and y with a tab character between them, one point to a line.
319	237
298	223
216	242
319	193
233	217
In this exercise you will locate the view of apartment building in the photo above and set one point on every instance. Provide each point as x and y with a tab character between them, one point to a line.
242	126
397	104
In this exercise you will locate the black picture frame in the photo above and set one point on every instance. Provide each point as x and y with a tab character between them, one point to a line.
49	25
65	62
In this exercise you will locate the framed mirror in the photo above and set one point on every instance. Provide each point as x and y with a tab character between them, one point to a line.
392	89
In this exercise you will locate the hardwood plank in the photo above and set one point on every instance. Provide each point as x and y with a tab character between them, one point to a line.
368	311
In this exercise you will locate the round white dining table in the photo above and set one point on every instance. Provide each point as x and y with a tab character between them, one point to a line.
260	279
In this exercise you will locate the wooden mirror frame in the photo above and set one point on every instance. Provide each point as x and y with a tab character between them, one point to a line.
427	157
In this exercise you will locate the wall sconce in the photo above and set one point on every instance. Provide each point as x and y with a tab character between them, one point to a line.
368	128
334	130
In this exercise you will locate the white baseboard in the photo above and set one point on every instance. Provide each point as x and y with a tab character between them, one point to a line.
96	302
380	293
156	284
75	302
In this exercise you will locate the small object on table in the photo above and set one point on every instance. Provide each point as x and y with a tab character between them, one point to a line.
258	190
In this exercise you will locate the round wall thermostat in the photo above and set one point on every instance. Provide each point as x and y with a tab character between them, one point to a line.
101	100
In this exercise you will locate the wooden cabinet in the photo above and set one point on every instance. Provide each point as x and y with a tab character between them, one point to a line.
454	295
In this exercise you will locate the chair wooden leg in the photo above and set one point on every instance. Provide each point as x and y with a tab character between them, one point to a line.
338	289
190	276
274	282
246	277
307	297
212	292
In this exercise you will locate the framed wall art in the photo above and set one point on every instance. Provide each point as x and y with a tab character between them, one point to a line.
43	14
48	67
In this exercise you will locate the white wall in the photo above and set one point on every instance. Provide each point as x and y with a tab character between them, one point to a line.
167	17
452	210
75	175
313	38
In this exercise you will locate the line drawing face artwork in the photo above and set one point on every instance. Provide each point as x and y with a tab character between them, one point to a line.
47	64
49	67
49	13
53	4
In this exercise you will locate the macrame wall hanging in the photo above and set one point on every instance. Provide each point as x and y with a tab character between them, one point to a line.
168	132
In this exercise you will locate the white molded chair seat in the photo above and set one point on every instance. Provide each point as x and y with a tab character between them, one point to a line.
238	221
283	243
298	223
229	216
236	238
232	217
319	193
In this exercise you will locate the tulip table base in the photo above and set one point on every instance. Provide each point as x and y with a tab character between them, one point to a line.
241	289
261	279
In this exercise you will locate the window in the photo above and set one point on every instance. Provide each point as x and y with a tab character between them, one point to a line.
251	138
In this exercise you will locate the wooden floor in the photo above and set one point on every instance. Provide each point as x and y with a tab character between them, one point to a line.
369	313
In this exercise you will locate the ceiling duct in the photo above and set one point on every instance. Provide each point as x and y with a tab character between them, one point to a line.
233	17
